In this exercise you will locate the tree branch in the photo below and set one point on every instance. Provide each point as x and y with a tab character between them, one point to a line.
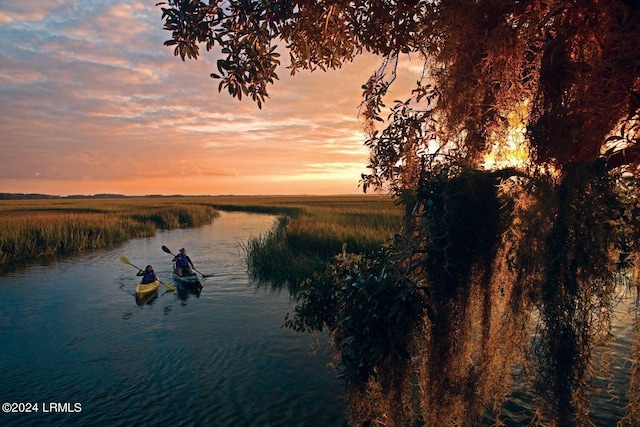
624	157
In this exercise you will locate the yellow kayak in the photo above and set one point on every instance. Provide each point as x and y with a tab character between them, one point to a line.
142	289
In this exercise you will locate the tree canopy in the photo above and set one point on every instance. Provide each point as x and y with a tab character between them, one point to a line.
487	241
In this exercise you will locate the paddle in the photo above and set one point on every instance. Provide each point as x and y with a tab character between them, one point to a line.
167	250
124	260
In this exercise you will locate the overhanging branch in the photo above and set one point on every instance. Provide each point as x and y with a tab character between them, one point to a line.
625	157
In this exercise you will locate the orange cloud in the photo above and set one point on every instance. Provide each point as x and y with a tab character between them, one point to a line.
94	103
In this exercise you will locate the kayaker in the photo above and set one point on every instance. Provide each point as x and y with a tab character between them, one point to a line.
148	275
183	263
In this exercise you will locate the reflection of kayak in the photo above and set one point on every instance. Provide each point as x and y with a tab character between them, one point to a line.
185	291
188	279
148	298
144	289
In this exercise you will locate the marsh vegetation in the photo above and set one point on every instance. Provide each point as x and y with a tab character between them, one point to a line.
311	231
315	226
39	229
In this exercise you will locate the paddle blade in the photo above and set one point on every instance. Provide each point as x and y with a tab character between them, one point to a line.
124	260
170	288
166	249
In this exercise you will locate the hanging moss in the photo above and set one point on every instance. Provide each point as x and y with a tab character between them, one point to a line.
575	292
498	277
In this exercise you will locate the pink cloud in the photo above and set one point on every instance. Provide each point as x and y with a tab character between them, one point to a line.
94	98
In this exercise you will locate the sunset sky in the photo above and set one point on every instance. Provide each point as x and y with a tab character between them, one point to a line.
92	102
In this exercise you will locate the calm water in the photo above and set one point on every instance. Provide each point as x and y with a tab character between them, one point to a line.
72	332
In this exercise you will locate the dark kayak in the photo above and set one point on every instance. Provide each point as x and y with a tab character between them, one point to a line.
187	279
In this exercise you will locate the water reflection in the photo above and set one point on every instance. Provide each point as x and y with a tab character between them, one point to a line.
72	331
185	291
149	298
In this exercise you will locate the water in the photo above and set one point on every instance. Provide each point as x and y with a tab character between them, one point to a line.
72	333
610	394
73	338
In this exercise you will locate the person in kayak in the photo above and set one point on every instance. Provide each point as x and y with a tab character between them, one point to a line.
183	263
148	275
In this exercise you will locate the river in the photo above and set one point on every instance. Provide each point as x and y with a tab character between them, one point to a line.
78	349
74	341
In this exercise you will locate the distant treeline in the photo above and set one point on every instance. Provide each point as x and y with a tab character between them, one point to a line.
22	196
33	196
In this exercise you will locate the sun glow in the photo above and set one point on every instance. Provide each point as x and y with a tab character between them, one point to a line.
511	148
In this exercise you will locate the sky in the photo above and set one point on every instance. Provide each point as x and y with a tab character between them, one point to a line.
92	102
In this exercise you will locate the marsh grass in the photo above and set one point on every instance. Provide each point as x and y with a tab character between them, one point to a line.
39	229
301	244
311	229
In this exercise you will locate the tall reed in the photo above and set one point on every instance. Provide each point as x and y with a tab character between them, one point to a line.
302	244
40	230
310	231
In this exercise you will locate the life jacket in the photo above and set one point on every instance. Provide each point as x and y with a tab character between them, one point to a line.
148	277
182	261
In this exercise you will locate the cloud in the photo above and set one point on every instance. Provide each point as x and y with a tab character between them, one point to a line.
27	10
93	96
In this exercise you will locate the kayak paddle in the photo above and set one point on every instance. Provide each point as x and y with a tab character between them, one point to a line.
124	260
167	250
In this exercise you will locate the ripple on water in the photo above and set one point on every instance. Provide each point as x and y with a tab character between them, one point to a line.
71	331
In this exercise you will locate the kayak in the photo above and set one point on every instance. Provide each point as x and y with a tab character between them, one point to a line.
143	289
189	279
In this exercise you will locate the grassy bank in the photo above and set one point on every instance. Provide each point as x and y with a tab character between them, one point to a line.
311	229
314	230
39	229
